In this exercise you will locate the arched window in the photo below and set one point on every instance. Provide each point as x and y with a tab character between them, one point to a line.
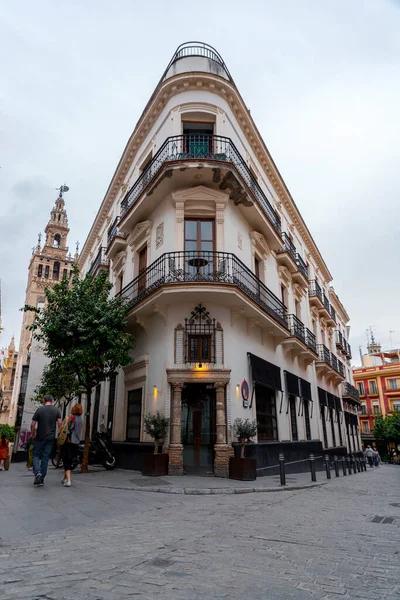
56	270
47	271
57	240
40	271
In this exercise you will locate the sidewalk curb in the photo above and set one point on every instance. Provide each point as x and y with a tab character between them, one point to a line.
215	491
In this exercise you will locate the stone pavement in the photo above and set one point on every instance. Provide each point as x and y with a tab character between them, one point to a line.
340	540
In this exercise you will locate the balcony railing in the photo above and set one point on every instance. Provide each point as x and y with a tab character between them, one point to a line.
300	331
332	312
204	267
339	339
349	391
324	354
114	231
201	147
100	260
197	49
311	340
302	265
314	289
341	368
288	246
327	306
334	362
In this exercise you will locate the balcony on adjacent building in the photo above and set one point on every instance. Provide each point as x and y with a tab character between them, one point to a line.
301	275
221	167
221	275
315	294
99	263
116	239
286	255
302	342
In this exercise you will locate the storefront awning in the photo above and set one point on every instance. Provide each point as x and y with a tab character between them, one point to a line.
265	373
305	390
322	397
292	384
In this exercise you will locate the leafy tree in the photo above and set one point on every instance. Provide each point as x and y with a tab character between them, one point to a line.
8	431
156	426
393	427
59	381
82	328
245	431
381	432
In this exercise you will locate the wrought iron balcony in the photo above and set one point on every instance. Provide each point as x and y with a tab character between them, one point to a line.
314	290
327	306
339	339
350	392
223	268
114	231
334	362
302	265
341	368
201	147
288	246
332	312
301	332
100	261
324	354
197	49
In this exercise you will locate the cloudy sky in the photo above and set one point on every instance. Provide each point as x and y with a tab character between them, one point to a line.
322	81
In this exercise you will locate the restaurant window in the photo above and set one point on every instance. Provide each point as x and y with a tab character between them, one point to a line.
267	429
293	418
134	415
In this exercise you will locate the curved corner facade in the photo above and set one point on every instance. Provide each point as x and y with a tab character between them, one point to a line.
230	300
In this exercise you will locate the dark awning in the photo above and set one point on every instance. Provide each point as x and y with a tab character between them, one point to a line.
322	397
338	404
265	373
292	384
331	400
305	387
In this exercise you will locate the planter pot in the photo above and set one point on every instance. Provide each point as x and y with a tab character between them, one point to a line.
244	469
155	465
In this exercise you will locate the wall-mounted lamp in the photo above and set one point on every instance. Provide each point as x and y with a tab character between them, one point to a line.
200	365
155	392
237	390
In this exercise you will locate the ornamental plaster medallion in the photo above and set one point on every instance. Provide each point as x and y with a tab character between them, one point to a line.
239	240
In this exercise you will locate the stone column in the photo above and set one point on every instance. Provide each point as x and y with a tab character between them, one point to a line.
222	450
175	443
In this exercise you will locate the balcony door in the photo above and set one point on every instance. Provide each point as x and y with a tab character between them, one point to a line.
142	270
199	247
197	139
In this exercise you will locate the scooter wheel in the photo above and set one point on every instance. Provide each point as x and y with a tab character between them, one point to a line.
110	463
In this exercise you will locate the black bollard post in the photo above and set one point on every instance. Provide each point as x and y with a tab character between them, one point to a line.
344	466
327	467
312	468
358	465
335	459
365	464
282	469
348	461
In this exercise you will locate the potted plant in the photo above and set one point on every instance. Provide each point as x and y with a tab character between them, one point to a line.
156	426
240	467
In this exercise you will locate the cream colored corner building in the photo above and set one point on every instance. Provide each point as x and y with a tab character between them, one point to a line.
230	299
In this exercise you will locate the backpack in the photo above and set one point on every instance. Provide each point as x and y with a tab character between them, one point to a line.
62	436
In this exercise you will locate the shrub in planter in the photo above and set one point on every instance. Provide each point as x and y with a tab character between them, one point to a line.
156	426
8	431
243	468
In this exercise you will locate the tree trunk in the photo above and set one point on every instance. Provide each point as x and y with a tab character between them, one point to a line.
242	450
155	446
85	459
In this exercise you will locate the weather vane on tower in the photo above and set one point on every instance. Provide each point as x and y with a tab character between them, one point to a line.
62	189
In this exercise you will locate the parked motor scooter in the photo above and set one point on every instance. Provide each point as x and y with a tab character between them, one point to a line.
99	453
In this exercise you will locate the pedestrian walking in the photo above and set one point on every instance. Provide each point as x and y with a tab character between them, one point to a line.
4	453
43	432
376	458
369	453
29	450
69	449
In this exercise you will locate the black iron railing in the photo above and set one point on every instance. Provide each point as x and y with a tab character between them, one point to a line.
204	267
100	260
302	265
334	362
349	391
204	147
339	339
327	306
197	49
324	354
347	348
341	368
300	331
288	246
332	312
114	231
314	289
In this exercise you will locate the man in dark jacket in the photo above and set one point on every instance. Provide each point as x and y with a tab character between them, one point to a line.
43	430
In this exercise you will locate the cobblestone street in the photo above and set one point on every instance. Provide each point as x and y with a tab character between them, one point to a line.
315	543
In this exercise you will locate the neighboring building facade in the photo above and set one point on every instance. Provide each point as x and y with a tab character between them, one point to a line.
230	303
49	263
8	365
378	383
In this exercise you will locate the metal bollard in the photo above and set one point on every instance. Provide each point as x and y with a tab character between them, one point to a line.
344	466
348	466
327	467
358	462
312	467
336	463
282	469
365	464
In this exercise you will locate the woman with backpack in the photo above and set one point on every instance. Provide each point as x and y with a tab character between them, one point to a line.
71	432
4	453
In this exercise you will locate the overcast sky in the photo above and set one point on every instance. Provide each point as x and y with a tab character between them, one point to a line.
322	81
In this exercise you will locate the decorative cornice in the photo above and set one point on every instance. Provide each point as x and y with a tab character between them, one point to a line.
208	82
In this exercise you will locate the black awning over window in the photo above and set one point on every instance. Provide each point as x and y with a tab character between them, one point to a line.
265	373
331	400
305	389
322	397
292	384
338	404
